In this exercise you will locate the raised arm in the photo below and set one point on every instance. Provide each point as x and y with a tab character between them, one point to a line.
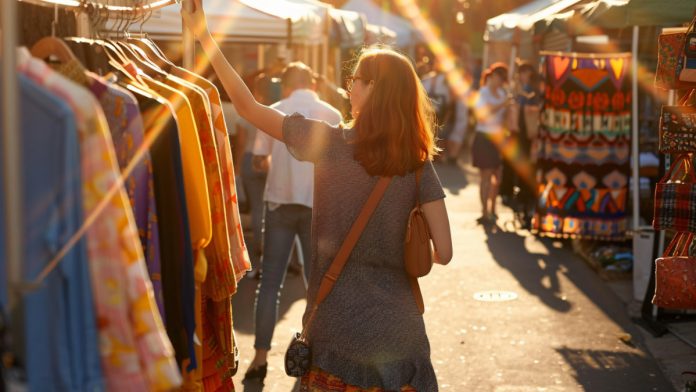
261	116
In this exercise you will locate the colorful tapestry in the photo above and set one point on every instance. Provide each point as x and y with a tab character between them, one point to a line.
583	164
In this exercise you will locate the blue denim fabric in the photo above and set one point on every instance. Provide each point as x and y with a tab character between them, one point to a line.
59	331
254	185
281	225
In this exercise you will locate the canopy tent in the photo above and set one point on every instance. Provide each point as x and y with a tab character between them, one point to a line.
347	27
257	21
352	27
599	15
506	27
510	35
619	14
406	35
379	34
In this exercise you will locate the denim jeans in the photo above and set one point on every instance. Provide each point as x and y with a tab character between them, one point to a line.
254	185
281	225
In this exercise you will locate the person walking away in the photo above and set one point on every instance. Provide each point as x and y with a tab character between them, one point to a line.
369	332
437	87
288	203
490	111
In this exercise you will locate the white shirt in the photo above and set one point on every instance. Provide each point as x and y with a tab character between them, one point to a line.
231	117
490	122
290	181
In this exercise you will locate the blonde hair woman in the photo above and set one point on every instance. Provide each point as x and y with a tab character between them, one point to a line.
368	333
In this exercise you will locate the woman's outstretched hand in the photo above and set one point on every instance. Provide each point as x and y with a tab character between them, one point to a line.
195	21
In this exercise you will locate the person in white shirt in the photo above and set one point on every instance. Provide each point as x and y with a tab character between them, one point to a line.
289	199
490	109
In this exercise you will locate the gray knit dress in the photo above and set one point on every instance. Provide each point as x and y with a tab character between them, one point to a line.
368	331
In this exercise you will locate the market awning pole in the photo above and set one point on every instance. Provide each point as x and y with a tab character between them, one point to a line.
325	45
11	147
261	56
635	153
513	59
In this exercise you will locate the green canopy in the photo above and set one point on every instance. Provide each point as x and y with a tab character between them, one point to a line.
617	14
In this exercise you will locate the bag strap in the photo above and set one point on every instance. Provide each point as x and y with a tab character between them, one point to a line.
334	271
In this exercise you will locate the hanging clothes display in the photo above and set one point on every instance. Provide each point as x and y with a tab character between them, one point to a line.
583	162
68	356
120	281
156	243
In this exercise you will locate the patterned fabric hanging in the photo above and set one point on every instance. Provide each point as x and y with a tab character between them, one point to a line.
583	163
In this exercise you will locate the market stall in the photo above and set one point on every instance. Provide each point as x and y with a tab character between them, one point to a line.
110	205
632	26
296	29
511	35
406	35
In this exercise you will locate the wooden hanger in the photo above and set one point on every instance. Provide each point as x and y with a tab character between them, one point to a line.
52	47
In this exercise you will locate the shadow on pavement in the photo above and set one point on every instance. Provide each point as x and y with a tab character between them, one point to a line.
530	269
606	370
243	302
453	177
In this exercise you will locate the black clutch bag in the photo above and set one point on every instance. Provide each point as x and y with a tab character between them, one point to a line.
298	357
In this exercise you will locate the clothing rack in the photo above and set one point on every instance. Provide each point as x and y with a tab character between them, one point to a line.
11	149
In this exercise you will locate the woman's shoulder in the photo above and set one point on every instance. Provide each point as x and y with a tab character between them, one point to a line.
310	139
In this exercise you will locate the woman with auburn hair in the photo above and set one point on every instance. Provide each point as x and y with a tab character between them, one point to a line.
369	332
490	109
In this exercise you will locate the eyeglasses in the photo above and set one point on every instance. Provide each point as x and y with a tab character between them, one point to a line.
351	80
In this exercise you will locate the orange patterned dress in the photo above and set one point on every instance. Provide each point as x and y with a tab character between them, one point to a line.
318	380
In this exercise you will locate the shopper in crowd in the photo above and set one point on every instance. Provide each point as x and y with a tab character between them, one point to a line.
288	202
528	99
369	332
490	110
444	103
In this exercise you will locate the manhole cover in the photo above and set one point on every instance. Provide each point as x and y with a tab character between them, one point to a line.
495	296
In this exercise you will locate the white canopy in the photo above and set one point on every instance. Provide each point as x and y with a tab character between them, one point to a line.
379	34
348	27
502	27
406	35
253	21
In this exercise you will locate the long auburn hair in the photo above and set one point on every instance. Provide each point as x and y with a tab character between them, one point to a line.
394	129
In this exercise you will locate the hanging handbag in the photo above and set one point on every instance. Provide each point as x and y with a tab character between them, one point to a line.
678	128
418	246
675	197
298	357
671	60
675	275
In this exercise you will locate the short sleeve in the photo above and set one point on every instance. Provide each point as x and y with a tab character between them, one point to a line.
430	186
307	140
